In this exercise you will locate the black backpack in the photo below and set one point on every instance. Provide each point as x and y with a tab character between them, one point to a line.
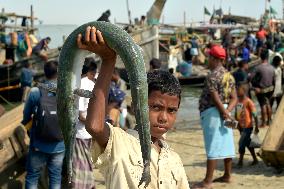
46	121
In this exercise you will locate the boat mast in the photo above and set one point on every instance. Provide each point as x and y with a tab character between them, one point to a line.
283	9
128	12
32	20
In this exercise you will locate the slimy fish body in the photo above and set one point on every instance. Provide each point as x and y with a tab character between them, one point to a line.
69	77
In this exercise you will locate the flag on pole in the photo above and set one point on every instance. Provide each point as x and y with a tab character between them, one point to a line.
206	11
272	11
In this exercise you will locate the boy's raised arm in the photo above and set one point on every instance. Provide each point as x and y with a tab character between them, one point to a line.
95	120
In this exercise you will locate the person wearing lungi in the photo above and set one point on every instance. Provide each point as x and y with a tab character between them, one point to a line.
83	175
217	100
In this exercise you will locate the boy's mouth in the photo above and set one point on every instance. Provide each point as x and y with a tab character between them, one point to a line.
161	127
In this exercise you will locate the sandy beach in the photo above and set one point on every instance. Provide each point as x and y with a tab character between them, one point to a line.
187	141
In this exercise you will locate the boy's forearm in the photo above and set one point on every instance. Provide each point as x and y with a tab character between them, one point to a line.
95	121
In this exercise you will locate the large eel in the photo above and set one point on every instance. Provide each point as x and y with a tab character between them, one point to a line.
69	77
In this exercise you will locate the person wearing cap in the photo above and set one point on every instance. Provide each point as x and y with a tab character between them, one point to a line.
115	99
217	100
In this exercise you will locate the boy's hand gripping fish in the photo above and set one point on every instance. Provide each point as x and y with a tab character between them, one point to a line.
69	77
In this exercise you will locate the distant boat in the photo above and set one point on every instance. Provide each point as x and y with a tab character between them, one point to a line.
10	73
198	80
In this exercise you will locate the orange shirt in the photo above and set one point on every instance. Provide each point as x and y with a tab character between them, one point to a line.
244	110
261	34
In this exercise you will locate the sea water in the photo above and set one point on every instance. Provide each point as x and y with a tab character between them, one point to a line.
57	33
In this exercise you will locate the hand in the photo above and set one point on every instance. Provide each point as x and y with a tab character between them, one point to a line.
226	115
94	42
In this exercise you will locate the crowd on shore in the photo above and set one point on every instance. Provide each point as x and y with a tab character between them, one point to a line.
106	124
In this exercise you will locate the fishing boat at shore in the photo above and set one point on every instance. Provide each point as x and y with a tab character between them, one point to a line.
198	80
168	42
15	39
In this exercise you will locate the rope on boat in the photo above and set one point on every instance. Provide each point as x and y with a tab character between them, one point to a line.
6	101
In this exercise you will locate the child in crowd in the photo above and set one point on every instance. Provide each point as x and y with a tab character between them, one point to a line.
120	157
245	111
115	99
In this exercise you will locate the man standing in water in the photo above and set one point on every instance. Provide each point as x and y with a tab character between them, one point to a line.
216	102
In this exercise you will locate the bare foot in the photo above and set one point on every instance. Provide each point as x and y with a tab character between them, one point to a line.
223	179
202	185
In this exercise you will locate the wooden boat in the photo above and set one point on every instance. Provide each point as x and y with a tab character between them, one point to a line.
272	149
198	80
10	73
14	143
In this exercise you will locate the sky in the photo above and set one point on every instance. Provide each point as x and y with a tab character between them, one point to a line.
82	11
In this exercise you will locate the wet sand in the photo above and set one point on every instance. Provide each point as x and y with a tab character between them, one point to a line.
187	141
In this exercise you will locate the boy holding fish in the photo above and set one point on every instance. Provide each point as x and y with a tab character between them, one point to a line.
120	157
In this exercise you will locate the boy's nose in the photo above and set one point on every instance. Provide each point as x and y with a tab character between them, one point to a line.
163	118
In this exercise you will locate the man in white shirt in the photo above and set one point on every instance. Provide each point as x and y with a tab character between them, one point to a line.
82	163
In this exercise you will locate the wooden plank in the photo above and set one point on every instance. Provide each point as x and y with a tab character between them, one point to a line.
273	158
10	120
274	136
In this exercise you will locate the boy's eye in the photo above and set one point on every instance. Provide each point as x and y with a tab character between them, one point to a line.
155	107
172	110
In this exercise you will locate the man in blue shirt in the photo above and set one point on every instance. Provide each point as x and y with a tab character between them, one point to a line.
26	80
41	47
42	153
185	68
245	53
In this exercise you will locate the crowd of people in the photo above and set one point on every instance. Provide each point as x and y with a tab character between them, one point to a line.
104	120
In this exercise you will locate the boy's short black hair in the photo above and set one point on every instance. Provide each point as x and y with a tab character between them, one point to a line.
26	64
163	81
242	63
276	62
89	65
264	54
50	69
155	63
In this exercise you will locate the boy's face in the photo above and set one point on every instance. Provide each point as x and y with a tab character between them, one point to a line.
162	112
91	75
240	92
